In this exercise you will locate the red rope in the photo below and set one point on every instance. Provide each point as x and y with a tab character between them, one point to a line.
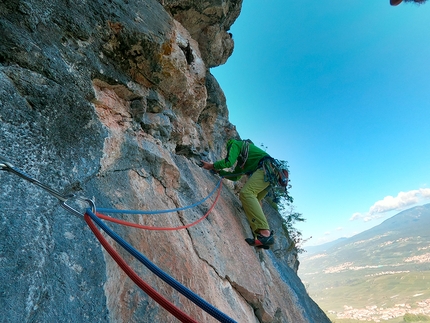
145	227
183	317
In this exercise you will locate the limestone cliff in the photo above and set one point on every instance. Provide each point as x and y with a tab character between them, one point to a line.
113	100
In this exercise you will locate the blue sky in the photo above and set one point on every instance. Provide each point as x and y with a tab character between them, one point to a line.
341	90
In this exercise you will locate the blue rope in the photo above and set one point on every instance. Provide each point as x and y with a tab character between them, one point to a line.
221	317
107	210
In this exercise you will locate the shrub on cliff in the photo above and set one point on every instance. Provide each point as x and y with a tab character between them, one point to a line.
416	318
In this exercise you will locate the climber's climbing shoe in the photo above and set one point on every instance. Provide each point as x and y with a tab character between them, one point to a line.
261	241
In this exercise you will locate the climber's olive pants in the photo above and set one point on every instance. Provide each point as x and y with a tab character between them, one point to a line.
250	195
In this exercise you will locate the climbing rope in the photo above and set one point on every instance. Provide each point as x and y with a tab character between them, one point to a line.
161	274
135	277
92	216
106	210
146	227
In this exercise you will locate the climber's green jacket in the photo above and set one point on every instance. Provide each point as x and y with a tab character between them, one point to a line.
234	148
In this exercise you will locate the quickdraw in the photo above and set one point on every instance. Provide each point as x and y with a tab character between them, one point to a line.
62	199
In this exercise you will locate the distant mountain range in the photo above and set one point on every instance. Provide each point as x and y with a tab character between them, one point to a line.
323	247
413	224
374	268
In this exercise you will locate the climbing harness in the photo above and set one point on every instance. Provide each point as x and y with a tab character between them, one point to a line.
274	172
91	216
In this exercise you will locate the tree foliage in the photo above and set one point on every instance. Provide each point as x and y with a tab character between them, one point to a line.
408	317
282	201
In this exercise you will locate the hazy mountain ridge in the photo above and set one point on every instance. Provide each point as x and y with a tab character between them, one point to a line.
323	247
383	268
392	238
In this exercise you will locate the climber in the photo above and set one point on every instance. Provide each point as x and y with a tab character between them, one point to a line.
249	160
397	2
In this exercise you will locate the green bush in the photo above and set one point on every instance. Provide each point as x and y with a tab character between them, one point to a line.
416	318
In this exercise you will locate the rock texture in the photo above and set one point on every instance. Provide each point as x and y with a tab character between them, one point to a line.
113	100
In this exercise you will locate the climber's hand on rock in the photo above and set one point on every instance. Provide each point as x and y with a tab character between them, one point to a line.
206	165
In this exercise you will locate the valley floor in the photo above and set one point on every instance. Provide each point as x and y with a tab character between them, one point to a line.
380	314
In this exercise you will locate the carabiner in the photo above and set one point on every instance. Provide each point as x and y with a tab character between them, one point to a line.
67	207
4	163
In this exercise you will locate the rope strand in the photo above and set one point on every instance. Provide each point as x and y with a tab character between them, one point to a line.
146	227
220	316
107	210
183	317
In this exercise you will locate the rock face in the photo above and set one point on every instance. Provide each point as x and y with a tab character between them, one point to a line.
113	100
